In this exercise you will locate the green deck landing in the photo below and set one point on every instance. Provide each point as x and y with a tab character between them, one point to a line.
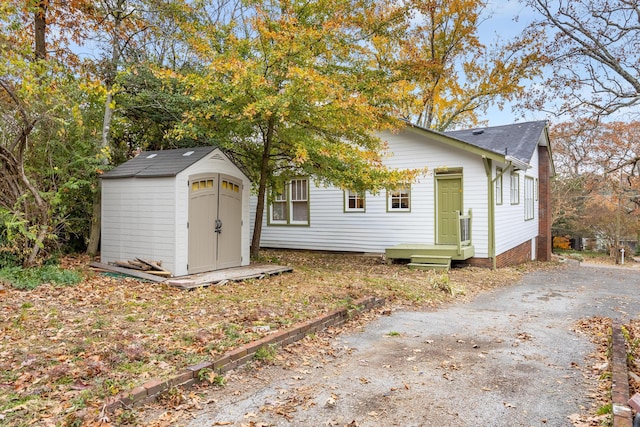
407	250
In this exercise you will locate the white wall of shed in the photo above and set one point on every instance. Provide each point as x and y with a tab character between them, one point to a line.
376	229
138	220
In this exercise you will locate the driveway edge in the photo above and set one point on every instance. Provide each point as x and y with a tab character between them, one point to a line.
149	391
622	415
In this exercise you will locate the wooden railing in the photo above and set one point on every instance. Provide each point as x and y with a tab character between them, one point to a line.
464	230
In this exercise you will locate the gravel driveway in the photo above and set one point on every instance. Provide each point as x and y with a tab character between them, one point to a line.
508	358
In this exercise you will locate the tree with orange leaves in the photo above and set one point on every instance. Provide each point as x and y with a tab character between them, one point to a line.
597	190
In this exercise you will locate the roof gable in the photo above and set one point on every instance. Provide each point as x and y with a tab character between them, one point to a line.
162	163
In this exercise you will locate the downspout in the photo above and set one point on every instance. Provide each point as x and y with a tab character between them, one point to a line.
492	206
491	238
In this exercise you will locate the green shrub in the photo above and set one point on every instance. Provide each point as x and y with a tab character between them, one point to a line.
30	278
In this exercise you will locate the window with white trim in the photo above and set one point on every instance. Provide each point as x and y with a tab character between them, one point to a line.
353	201
498	195
290	204
399	200
529	210
515	188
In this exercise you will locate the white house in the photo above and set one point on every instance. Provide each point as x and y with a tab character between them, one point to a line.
485	199
188	208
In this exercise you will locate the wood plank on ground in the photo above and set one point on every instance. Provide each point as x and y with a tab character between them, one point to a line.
235	274
151	264
128	272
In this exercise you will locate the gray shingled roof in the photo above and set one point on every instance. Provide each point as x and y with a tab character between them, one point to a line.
518	140
163	163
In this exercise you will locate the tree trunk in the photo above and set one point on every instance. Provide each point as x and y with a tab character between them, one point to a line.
96	224
262	191
40	29
96	220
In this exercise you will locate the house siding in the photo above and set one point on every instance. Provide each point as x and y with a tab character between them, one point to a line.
512	230
330	228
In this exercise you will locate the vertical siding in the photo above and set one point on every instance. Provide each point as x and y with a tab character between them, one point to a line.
138	220
375	229
511	227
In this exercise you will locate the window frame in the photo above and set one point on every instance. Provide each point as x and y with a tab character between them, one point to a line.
498	188
356	196
391	197
290	195
514	190
529	198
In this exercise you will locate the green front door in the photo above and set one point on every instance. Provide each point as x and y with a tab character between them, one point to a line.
449	203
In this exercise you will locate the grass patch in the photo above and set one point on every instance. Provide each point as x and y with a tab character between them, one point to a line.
266	353
30	278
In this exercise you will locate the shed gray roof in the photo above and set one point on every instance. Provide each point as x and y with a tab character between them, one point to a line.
518	140
155	164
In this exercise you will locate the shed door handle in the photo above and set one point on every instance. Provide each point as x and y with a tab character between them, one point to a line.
218	226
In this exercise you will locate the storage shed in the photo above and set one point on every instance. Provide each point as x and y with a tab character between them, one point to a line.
188	208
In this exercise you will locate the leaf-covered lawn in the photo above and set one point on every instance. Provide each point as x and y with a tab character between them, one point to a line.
64	349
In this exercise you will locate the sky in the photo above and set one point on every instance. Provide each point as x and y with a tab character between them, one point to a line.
506	19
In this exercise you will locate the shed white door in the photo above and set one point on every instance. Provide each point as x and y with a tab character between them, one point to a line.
215	222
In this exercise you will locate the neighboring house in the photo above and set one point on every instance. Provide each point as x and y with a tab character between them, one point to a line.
485	199
188	208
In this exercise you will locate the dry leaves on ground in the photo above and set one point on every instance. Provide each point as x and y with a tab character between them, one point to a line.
64	350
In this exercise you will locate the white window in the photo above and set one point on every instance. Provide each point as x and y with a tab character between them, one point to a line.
498	195
290	205
279	206
299	201
353	201
529	210
399	200
515	188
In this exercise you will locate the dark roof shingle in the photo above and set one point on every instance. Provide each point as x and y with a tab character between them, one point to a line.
518	140
163	163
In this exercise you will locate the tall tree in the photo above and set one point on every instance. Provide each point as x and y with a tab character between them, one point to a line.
35	106
434	51
290	92
592	48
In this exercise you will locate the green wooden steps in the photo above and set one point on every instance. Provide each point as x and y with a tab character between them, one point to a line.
430	262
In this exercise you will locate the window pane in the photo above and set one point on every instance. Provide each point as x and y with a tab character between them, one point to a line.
279	210
300	211
400	199
299	190
355	200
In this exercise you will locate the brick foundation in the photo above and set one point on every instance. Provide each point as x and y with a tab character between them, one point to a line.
518	255
514	256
